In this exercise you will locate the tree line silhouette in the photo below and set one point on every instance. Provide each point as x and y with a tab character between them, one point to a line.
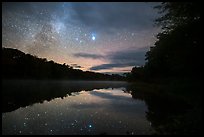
178	49
174	66
18	65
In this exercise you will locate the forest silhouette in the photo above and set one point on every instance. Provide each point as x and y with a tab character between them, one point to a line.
18	65
178	51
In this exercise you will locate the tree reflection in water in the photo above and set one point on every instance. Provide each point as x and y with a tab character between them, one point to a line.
22	93
168	114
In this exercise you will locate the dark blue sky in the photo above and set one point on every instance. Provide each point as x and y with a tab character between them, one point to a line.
101	37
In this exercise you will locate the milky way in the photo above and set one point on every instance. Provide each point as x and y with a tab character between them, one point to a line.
113	36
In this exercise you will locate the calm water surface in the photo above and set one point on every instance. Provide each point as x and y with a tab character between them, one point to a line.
90	108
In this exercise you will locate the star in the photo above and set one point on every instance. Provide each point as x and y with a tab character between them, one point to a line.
90	126
133	34
93	37
26	118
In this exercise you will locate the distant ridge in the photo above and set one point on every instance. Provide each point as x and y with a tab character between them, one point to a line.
18	65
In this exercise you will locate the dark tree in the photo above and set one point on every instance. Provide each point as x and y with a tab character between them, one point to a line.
18	65
178	50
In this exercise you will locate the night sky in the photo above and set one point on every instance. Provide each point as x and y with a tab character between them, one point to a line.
100	37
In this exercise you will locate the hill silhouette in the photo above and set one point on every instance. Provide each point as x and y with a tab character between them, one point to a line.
18	65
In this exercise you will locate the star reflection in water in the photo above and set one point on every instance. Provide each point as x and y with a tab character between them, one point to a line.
103	111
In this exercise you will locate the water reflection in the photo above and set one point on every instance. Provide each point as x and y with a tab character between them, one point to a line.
21	93
68	107
98	111
168	114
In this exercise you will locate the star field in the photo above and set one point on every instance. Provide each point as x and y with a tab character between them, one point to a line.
86	113
58	31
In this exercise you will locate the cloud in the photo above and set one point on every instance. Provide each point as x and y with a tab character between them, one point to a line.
109	66
119	59
87	55
128	56
111	16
